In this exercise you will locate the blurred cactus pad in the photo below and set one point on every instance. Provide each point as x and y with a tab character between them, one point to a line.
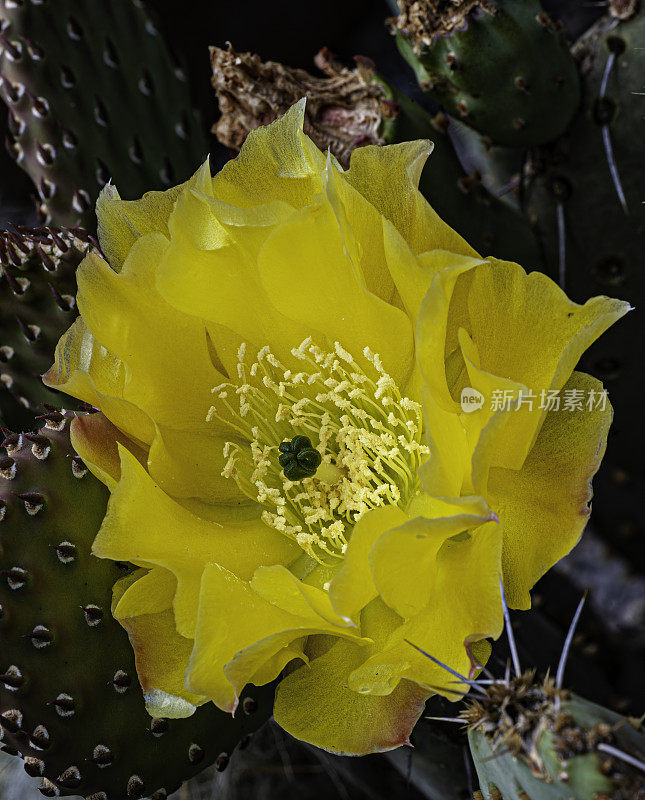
94	94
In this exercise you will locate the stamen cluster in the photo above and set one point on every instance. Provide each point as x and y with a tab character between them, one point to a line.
368	436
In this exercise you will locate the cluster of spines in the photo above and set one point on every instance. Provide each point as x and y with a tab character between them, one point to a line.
38	268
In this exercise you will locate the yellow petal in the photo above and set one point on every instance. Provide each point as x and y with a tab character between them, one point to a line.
388	177
545	334
231	649
315	704
144	525
122	222
464	607
210	270
161	655
272	667
436	330
544	506
125	312
84	369
152	593
413	274
404	560
353	587
446	473
277	162
189	464
97	441
309	277
280	587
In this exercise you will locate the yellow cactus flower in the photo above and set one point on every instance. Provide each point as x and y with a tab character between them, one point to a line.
284	356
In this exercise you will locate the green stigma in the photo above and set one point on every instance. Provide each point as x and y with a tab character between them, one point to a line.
298	458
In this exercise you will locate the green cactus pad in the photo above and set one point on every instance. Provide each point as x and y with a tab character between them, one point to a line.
501	66
37	291
70	703
93	95
531	741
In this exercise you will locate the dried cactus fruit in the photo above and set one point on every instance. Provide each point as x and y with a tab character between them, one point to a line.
37	295
501	66
70	704
343	108
93	94
353	108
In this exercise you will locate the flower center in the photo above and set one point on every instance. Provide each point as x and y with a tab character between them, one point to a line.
318	448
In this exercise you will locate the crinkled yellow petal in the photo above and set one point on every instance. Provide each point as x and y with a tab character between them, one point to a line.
315	704
97	441
446	473
353	587
309	277
360	226
544	506
277	162
85	369
545	334
144	525
272	667
433	329
413	274
122	222
125	312
161	655
230	649
151	593
388	177
216	278
404	560
464	606
281	587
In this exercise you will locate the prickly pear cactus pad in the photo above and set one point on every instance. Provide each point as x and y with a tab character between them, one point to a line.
501	66
70	702
532	740
93	94
293	456
38	300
